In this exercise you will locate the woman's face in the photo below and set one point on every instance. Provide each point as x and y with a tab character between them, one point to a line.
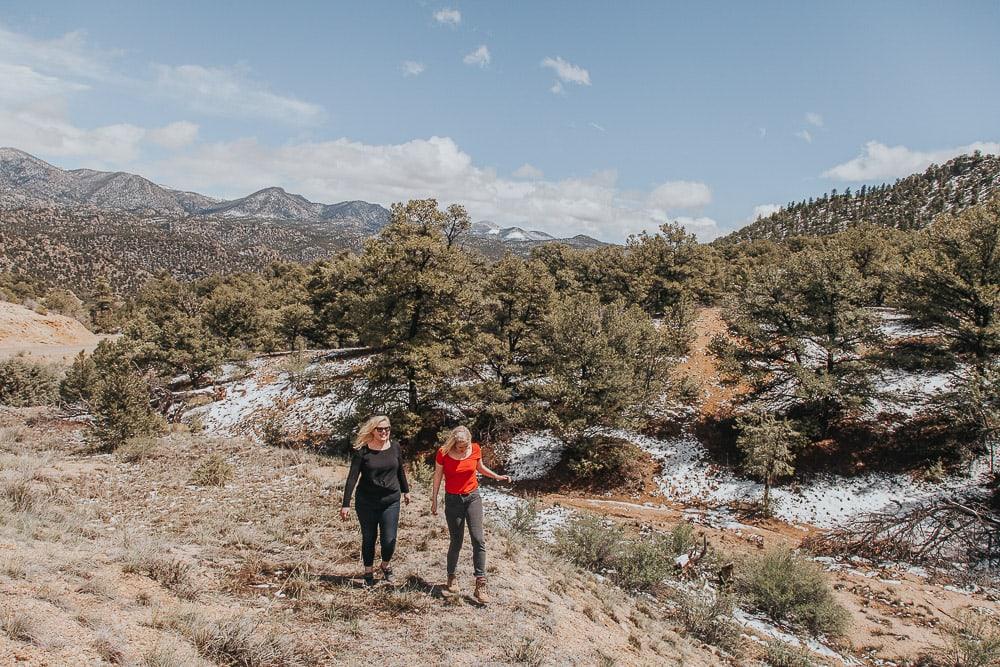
380	435
462	446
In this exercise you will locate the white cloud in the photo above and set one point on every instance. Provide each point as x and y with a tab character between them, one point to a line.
69	55
879	161
814	119
175	135
20	84
596	126
448	16
557	88
413	68
480	56
804	136
231	92
680	194
567	72
762	132
704	228
332	171
764	210
528	171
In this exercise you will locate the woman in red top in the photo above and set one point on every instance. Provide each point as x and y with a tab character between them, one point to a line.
458	461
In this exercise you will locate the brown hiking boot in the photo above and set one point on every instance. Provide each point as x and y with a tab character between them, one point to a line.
480	593
450	588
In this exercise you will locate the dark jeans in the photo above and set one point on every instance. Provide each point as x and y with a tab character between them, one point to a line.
460	511
377	519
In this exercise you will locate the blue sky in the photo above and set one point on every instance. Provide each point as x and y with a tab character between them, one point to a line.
570	117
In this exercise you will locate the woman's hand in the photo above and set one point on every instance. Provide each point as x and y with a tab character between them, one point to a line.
406	499
504	478
344	512
434	507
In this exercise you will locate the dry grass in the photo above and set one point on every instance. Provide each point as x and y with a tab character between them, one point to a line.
109	646
20	626
137	450
213	471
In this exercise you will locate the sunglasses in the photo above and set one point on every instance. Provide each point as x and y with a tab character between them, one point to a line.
383	429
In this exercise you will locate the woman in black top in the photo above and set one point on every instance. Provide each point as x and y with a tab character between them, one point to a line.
378	463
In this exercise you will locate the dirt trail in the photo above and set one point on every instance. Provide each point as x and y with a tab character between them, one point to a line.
46	337
700	364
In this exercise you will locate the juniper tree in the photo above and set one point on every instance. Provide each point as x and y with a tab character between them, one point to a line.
120	399
799	334
419	289
334	288
768	445
606	365
77	386
517	295
953	282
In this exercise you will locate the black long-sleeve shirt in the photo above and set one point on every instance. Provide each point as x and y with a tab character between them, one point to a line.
381	474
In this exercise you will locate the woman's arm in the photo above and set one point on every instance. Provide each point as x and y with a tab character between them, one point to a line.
483	470
436	487
352	481
404	486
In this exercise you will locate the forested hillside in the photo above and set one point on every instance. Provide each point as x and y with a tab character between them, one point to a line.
909	203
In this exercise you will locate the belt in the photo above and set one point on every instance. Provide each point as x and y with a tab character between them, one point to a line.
461	495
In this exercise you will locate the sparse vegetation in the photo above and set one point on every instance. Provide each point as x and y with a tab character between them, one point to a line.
973	640
789	588
708	616
20	626
214	470
783	654
137	450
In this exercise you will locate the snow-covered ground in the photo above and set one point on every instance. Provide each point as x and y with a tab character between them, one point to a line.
532	455
267	386
689	476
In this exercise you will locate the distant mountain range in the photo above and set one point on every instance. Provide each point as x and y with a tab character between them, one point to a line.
69	227
909	203
29	182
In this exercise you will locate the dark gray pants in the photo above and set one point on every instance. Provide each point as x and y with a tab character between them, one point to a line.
460	511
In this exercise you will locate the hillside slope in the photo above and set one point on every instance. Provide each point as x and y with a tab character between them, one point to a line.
48	336
909	203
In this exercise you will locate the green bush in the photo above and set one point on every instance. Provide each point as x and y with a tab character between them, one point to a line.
121	397
586	541
81	378
783	654
522	519
601	461
709	617
24	383
634	563
787	587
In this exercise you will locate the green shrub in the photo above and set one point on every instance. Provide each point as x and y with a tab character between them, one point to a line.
24	383
643	563
783	654
81	378
682	539
600	461
709	617
121	397
586	541
522	519
787	587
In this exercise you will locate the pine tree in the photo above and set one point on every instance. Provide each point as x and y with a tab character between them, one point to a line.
606	365
419	291
77	386
768	445
800	335
121	397
103	310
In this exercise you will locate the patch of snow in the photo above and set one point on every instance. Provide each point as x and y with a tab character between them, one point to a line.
532	455
825	501
767	629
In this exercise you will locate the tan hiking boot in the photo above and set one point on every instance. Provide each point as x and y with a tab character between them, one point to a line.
450	588
480	593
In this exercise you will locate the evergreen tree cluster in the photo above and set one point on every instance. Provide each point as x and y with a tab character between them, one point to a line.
910	203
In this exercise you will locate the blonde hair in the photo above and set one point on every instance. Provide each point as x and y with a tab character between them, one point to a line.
457	433
365	432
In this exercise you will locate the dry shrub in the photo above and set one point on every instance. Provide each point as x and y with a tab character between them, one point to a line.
524	517
137	450
165	655
22	495
245	640
344	608
525	651
709	617
213	471
789	588
109	646
20	626
973	641
175	575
